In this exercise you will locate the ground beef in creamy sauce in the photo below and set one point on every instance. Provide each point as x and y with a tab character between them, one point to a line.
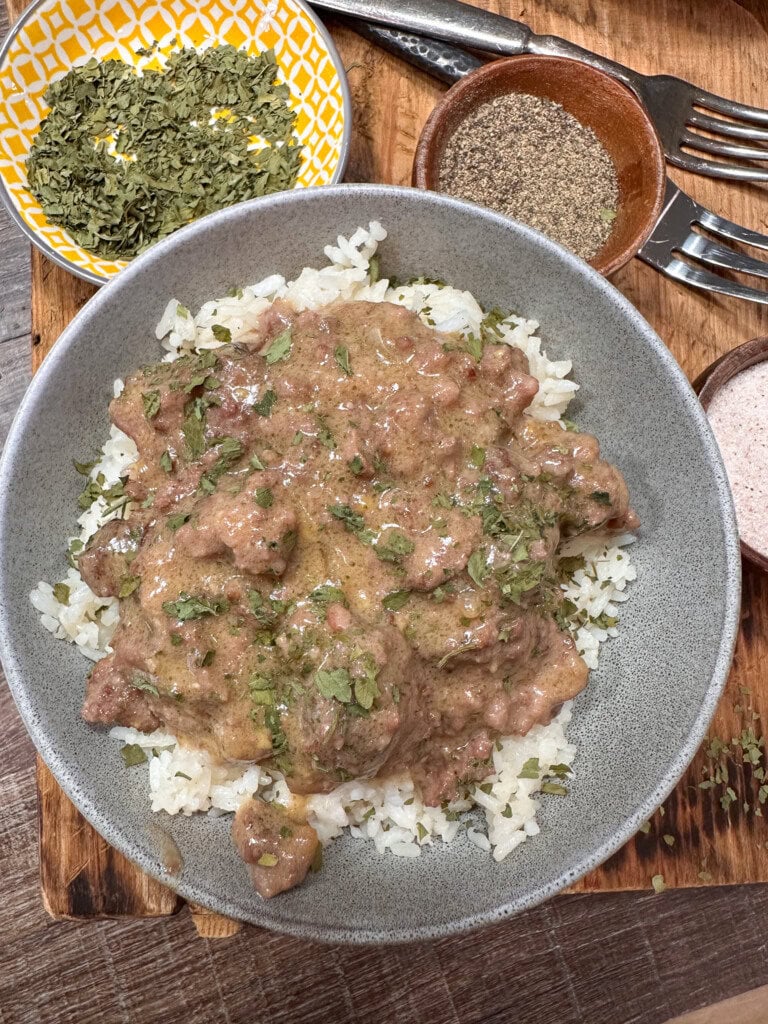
342	560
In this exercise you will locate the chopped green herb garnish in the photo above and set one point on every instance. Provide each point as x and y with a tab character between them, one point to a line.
73	551
165	461
177	520
356	465
189	607
61	593
324	435
151	401
83	468
366	689
265	404
341	355
327	594
132	755
264	497
280	347
530	769
141	681
517	580
474	346
128	584
222	334
554	788
477	567
256	462
267	860
477	456
569	565
353	521
262	691
334	684
601	497
394	546
193	429
230	450
396	600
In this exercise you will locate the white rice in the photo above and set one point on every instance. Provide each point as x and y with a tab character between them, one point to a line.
388	812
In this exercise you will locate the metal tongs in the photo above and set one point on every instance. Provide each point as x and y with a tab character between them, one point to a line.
674	235
680	110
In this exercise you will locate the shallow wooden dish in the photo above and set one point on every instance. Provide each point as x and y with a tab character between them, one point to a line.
709	382
617	118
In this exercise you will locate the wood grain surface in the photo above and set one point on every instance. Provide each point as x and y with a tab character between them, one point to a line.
618	959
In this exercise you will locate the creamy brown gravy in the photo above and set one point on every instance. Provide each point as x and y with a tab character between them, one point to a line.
344	555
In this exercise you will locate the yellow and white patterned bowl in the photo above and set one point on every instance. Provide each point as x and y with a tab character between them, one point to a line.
52	36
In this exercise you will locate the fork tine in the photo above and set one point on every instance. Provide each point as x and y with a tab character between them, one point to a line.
708	282
729	128
712	254
731	108
715	169
721	148
727	229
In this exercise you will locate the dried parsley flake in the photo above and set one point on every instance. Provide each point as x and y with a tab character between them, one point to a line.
122	160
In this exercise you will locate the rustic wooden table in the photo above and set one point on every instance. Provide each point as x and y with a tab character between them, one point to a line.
634	958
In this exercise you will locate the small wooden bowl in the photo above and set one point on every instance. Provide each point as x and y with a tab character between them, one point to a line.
708	383
595	99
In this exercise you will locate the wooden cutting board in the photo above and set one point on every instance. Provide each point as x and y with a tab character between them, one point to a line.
721	45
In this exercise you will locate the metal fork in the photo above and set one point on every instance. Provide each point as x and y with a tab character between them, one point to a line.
675	234
681	111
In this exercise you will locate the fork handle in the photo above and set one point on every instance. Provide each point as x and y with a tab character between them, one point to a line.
460	23
451	20
440	60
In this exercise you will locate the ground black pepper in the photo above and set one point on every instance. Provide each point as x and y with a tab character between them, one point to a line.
526	157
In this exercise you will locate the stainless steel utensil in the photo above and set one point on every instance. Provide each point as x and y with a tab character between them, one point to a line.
675	234
673	103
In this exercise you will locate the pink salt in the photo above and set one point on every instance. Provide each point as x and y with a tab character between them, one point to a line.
738	414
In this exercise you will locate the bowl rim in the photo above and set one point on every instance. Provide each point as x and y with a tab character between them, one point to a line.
713	379
197	893
98	280
428	137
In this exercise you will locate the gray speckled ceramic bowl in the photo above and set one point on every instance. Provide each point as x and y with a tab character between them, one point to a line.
646	709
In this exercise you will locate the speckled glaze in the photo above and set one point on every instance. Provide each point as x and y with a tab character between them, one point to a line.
646	709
